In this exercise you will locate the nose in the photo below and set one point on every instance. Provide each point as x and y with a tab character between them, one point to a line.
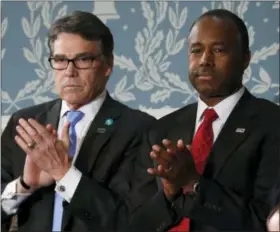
71	71
207	59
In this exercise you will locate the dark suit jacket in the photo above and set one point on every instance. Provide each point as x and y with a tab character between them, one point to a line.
102	155
241	179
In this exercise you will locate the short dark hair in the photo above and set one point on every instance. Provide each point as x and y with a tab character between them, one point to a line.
239	23
88	26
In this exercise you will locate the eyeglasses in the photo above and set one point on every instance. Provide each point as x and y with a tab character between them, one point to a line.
84	62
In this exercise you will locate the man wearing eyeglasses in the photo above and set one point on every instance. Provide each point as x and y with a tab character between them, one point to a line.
63	161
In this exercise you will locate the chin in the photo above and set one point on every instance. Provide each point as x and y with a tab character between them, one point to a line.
206	90
74	99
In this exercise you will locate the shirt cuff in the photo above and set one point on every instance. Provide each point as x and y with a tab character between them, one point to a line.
66	187
10	199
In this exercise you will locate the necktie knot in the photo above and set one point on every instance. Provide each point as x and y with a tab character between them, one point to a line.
74	117
210	115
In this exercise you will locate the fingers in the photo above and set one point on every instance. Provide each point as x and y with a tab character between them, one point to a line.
183	152
62	150
30	131
189	147
181	147
164	157
65	135
152	171
22	144
180	144
170	148
158	171
60	147
23	134
161	156
51	130
54	133
34	130
27	128
41	130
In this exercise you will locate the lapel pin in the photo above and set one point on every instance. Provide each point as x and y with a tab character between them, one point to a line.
108	122
240	130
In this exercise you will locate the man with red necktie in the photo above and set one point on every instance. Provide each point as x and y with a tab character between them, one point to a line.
214	164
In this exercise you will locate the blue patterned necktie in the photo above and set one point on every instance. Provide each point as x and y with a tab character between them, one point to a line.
73	117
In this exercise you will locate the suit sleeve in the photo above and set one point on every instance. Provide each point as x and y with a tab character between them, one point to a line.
11	202
220	207
7	143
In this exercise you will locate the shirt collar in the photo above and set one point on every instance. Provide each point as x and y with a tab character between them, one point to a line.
223	108
90	109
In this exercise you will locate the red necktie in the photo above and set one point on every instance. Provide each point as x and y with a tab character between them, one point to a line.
201	147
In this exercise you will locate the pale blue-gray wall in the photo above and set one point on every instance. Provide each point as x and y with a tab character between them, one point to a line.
150	53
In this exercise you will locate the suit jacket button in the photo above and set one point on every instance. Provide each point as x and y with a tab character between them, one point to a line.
86	214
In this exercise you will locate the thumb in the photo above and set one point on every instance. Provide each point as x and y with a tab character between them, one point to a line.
65	136
30	165
28	160
62	150
51	129
54	133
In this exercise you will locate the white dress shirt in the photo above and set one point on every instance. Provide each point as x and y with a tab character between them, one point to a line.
10	200
223	110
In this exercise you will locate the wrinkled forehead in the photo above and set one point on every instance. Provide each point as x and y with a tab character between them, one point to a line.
71	44
210	29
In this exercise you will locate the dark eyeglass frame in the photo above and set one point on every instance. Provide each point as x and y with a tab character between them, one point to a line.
92	57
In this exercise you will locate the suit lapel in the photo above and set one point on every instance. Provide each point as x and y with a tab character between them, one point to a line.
51	115
186	124
235	131
99	132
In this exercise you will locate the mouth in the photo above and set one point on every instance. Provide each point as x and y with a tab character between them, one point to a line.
205	77
69	87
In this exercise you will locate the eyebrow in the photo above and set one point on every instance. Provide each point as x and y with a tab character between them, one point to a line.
83	54
214	43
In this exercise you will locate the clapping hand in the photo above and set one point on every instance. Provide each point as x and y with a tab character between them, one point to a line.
175	166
